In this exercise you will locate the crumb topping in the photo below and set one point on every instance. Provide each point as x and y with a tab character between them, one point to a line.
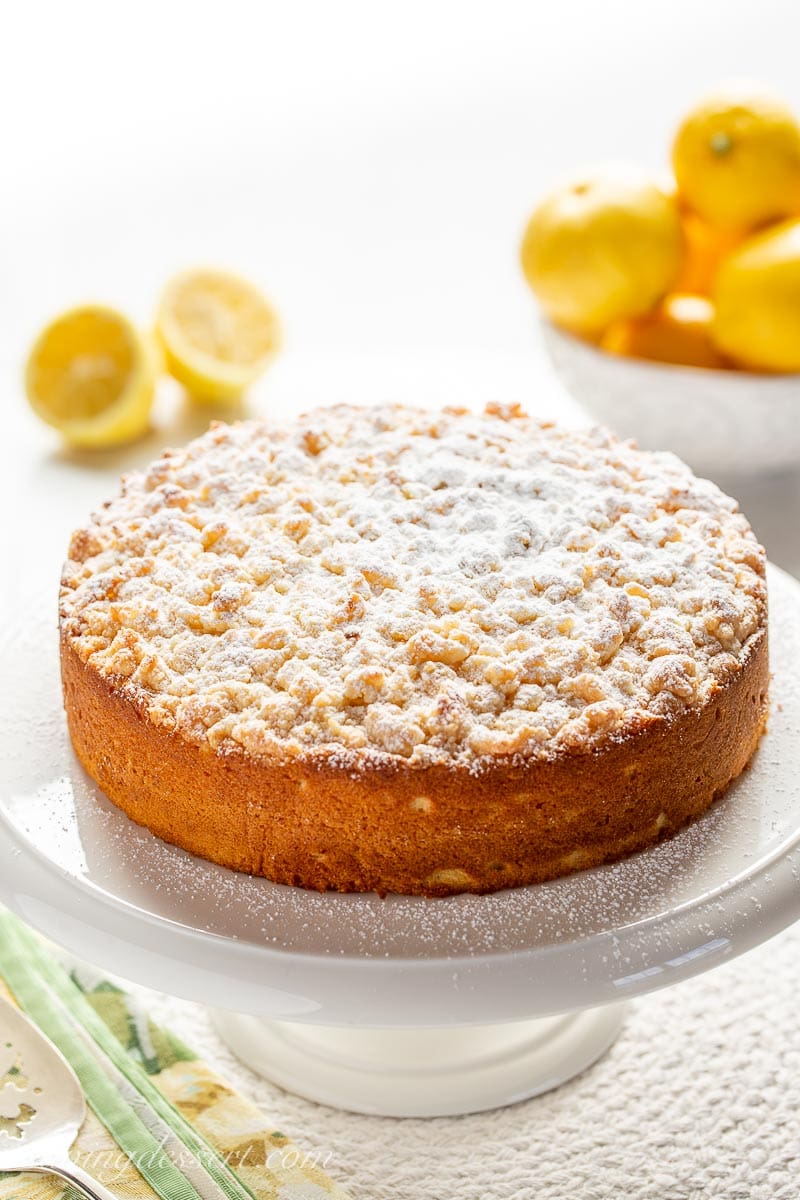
400	584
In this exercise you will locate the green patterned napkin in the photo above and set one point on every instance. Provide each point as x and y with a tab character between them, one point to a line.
160	1122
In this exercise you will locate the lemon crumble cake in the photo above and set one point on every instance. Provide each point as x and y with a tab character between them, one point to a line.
416	652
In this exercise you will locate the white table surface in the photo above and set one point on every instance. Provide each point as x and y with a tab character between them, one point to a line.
372	167
698	1099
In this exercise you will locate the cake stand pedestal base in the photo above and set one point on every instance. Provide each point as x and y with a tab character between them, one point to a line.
422	1072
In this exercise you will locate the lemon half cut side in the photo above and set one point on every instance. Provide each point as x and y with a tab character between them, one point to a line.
217	331
90	375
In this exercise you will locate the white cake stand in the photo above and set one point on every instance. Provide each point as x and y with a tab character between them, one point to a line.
401	1006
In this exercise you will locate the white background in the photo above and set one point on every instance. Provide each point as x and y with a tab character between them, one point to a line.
371	165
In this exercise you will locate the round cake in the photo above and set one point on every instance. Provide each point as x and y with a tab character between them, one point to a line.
420	652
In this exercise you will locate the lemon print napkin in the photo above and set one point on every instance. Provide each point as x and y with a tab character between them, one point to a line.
160	1123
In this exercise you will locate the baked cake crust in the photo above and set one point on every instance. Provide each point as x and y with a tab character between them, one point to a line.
432	831
556	655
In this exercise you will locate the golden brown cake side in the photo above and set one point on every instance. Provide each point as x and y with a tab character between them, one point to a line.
430	830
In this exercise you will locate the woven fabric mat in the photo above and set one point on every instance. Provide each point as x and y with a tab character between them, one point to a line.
699	1097
160	1123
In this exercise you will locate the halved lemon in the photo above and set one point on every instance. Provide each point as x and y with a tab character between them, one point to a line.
217	331
90	375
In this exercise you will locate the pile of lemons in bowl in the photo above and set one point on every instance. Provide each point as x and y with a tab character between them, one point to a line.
91	373
702	270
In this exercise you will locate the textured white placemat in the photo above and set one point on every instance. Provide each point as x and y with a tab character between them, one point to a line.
699	1097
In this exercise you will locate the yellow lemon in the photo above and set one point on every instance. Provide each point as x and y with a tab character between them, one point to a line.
217	331
736	158
757	301
705	249
90	375
678	331
602	248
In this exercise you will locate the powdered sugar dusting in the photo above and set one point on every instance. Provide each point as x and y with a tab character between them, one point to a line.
391	583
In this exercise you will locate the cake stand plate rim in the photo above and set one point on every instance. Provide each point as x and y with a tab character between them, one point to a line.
606	965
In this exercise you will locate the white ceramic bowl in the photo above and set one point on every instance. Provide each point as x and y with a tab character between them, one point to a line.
720	422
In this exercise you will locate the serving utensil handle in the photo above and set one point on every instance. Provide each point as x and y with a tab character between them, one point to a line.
79	1179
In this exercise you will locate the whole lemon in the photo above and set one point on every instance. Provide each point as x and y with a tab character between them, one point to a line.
757	301
601	248
706	247
736	159
678	331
